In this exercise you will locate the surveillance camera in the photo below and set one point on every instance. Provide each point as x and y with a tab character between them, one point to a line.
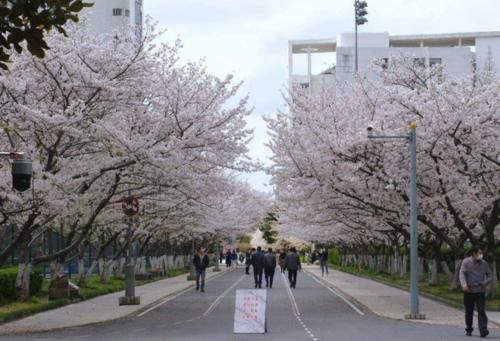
21	175
370	128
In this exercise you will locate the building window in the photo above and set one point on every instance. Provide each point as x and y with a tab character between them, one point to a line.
117	11
434	61
346	62
138	12
419	62
304	85
127	13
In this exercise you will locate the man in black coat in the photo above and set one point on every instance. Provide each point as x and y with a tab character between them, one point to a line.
258	267
248	261
269	267
292	264
200	262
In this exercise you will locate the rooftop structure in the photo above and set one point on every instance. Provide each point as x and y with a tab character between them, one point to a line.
108	15
458	51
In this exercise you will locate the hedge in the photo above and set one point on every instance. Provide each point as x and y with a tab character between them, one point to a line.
8	282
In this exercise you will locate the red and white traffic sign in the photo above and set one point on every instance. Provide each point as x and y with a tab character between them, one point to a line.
130	206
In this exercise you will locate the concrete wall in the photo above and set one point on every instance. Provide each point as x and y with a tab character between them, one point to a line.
102	20
486	48
364	39
457	60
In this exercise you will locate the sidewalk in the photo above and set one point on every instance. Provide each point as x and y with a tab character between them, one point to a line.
102	308
390	302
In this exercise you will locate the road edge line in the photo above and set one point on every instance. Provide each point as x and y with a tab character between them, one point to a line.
358	304
339	293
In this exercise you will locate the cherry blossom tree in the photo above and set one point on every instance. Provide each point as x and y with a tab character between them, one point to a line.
339	186
103	115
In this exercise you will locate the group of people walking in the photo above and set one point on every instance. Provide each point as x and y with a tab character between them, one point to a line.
265	263
475	275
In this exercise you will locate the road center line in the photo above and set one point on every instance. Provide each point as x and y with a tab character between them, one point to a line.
339	295
295	307
218	299
169	298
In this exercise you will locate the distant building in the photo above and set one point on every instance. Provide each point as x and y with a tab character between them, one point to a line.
108	15
460	52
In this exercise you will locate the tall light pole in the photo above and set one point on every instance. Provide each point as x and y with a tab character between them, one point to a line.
411	137
130	207
359	19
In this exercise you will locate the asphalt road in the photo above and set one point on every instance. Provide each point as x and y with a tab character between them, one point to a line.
310	312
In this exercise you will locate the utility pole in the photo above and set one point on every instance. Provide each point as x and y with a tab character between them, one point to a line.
130	206
359	19
411	137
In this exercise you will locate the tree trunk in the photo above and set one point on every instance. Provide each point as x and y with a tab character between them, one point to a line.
404	267
84	274
421	272
455	283
446	270
56	268
433	272
492	292
24	270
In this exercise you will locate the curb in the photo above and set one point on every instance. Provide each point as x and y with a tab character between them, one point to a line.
135	312
355	300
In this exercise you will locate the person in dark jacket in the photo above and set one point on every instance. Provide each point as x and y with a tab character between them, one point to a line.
234	258
269	267
323	261
282	261
248	261
228	259
258	267
200	262
292	264
475	276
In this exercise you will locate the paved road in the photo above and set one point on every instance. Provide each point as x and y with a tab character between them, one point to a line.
310	312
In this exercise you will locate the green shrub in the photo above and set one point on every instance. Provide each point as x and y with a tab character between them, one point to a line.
8	282
334	256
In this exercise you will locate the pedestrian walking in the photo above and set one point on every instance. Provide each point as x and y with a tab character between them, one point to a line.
200	262
292	264
269	267
282	260
258	267
221	257
228	259
323	261
234	258
248	261
475	276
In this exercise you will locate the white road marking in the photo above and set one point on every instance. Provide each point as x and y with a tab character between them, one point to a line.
218	299
163	302
295	309
339	295
169	298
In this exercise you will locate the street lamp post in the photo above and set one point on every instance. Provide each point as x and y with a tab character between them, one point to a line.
411	137
130	207
359	19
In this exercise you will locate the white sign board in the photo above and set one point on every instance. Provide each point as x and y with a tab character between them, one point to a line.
250	312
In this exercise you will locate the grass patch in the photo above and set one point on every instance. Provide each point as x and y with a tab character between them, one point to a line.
440	291
11	310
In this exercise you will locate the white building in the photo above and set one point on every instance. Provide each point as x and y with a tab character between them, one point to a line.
108	15
459	52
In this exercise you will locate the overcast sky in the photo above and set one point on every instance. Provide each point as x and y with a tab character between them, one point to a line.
250	37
